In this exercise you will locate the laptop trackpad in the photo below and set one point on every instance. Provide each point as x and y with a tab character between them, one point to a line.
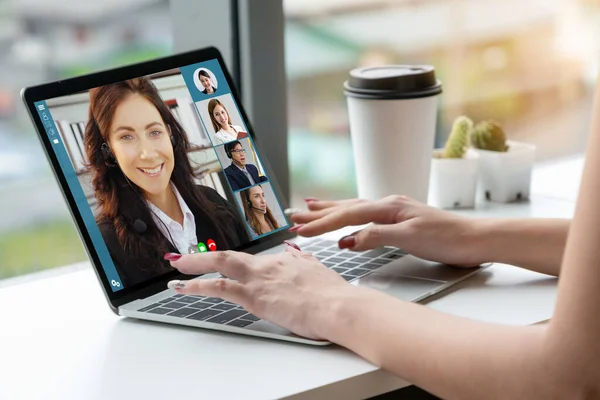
402	287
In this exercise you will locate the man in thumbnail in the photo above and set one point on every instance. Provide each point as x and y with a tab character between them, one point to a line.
240	174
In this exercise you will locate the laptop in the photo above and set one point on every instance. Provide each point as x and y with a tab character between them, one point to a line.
122	141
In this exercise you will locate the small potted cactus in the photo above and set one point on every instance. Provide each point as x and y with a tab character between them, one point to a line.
505	166
454	169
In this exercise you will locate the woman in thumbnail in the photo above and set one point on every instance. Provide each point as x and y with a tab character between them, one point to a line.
221	122
148	201
206	82
257	212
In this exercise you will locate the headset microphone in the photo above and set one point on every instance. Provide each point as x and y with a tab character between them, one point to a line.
256	208
108	156
140	226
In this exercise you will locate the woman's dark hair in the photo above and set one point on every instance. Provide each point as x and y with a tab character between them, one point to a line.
121	202
204	73
229	146
251	217
211	108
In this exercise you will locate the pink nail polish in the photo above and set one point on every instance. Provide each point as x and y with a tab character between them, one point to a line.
347	242
295	227
309	199
294	245
172	256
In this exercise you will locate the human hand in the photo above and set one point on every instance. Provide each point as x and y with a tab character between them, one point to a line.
292	289
423	231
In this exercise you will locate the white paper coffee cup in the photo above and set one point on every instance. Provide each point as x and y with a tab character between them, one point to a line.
393	113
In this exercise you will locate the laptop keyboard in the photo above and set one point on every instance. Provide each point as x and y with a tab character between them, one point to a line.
201	308
350	265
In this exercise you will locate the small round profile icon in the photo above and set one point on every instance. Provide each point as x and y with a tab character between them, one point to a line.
205	81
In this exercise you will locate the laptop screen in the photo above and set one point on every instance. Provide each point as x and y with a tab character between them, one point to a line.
161	163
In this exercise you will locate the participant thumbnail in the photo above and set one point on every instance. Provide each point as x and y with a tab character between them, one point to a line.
240	164
222	119
205	81
261	210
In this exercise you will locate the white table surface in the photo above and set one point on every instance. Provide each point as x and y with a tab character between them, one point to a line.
59	340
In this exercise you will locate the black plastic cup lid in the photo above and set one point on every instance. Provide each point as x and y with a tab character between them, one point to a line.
393	82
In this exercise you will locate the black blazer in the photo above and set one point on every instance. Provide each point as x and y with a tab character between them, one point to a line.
129	269
238	180
214	90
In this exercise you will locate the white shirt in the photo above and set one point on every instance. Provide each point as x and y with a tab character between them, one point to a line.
183	236
222	136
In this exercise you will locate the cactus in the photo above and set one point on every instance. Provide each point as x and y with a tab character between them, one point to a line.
458	141
489	135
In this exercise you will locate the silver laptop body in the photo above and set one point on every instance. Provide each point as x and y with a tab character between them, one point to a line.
405	277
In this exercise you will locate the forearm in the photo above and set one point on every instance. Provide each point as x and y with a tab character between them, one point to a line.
451	357
537	244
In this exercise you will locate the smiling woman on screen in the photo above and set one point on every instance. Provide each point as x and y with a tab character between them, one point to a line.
144	183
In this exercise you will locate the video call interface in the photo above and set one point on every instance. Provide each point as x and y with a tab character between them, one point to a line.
161	163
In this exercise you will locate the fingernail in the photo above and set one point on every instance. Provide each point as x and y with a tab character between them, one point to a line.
294	245
176	284
290	211
295	227
172	256
309	199
347	242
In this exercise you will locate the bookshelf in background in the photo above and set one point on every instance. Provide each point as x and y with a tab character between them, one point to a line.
72	135
185	113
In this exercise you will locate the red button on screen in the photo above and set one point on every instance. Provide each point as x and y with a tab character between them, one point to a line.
212	246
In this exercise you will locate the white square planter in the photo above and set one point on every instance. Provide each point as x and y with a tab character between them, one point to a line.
452	182
505	176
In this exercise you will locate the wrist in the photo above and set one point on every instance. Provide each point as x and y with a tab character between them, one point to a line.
496	235
533	243
336	316
485	236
